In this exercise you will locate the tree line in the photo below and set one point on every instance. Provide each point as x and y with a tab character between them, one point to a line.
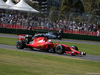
91	7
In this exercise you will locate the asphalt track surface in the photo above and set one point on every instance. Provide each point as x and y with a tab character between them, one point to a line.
87	57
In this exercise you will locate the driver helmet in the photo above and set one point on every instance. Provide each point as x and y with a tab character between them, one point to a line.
50	41
26	36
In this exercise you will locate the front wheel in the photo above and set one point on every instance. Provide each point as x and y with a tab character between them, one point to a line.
20	44
59	49
83	53
73	54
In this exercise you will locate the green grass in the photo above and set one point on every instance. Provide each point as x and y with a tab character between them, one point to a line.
8	41
88	48
13	62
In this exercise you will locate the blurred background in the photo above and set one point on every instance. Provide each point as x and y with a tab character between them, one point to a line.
72	16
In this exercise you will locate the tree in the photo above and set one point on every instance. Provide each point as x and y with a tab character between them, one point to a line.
65	9
98	7
53	13
92	7
71	6
78	19
78	7
66	6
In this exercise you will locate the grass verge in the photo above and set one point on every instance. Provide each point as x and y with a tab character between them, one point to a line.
13	62
88	48
8	41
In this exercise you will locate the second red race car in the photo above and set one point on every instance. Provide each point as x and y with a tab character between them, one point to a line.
45	44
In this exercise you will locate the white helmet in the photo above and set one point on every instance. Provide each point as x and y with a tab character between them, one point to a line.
49	40
26	36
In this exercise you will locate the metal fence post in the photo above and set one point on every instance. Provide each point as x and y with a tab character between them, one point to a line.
27	20
70	16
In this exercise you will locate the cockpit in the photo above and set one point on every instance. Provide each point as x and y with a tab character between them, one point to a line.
50	41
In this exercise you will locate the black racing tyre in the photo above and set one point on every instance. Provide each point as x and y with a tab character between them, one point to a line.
84	53
59	49
20	45
75	47
73	54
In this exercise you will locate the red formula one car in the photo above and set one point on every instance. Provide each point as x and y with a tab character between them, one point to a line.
45	44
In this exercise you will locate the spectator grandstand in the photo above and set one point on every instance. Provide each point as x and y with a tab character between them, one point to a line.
19	21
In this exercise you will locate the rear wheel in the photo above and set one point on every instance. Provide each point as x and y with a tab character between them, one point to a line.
20	45
59	49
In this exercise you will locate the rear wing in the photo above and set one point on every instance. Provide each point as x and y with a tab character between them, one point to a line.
21	37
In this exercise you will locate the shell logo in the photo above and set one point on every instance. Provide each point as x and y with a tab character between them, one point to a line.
42	45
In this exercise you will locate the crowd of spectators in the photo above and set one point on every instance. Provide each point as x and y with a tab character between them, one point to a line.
13	19
33	21
83	26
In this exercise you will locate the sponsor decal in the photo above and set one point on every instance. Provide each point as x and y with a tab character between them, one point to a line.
38	45
37	39
42	45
